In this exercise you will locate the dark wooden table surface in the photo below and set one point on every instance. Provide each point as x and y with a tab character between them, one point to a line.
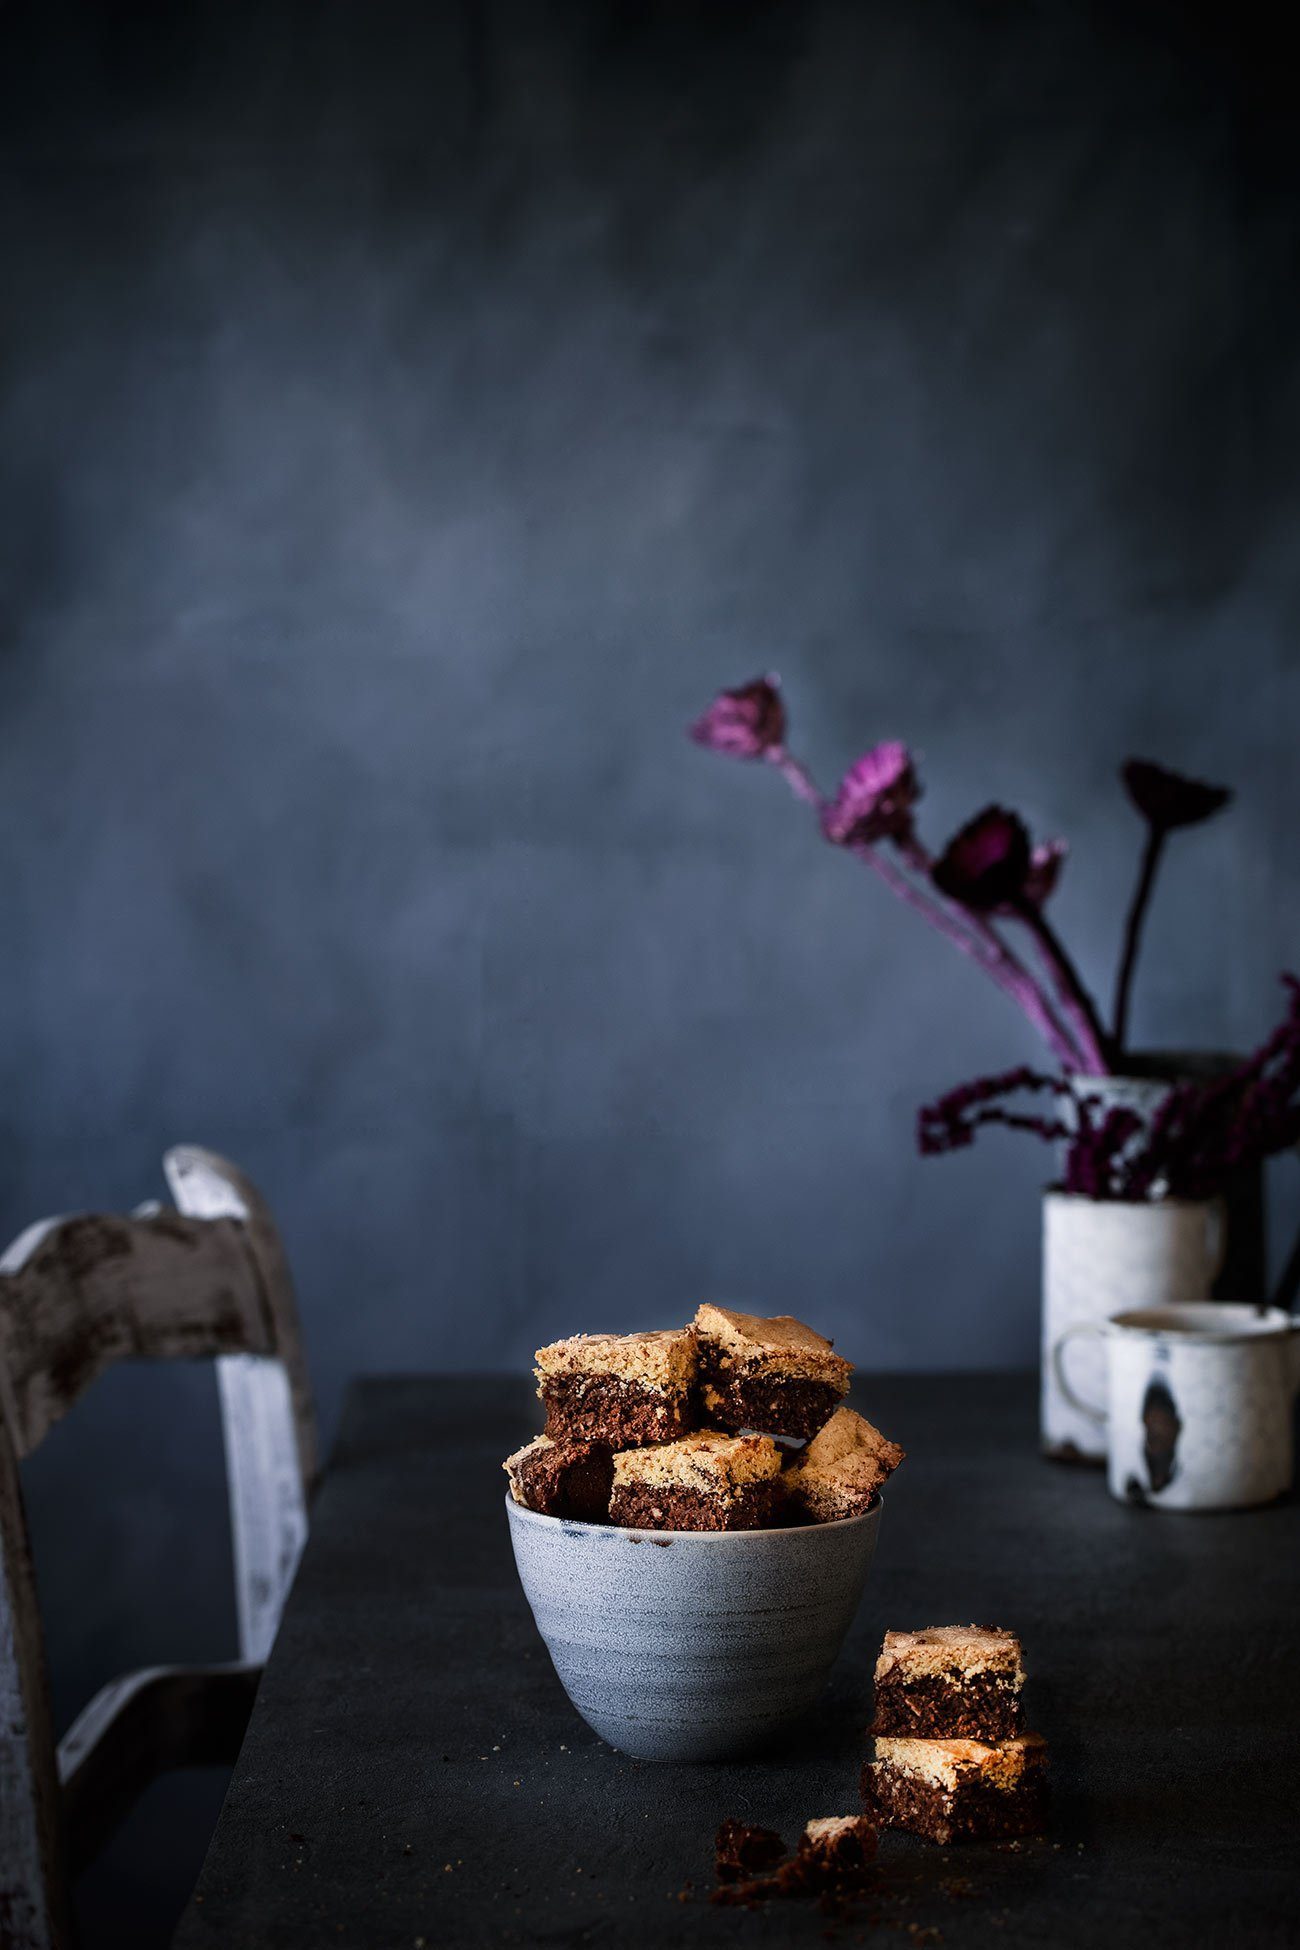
414	1776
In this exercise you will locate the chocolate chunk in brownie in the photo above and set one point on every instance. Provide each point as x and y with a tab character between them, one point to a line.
707	1481
835	1852
950	1682
771	1374
743	1850
563	1479
958	1790
622	1389
840	1472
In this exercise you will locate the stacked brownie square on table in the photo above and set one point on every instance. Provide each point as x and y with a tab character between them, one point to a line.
952	1761
732	1423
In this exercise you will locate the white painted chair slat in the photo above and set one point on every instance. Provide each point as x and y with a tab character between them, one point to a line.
207	1187
77	1294
268	1506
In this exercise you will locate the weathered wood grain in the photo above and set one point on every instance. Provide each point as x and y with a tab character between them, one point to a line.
33	1893
77	1294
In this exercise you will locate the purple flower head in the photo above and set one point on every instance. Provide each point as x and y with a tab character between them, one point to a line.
748	722
1166	799
987	864
875	798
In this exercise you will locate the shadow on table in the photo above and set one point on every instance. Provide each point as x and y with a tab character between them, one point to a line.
133	1896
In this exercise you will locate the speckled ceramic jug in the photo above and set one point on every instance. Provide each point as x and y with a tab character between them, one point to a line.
692	1645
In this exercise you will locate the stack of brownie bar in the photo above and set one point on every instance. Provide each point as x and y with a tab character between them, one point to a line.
952	1761
733	1423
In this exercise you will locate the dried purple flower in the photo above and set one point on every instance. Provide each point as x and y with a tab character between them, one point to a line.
1166	799
875	798
748	722
986	865
989	867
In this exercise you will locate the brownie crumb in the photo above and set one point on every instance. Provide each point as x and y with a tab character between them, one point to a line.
836	1852
741	1849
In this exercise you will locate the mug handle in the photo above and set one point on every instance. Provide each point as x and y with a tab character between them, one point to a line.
1097	1415
1216	1237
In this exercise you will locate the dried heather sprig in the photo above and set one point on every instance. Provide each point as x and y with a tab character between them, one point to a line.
1199	1135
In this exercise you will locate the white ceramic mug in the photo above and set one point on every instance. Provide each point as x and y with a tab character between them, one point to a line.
1199	1403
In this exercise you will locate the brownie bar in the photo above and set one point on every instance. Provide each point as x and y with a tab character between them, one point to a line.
950	1681
623	1389
958	1790
840	1473
772	1374
707	1481
561	1479
835	1852
742	1850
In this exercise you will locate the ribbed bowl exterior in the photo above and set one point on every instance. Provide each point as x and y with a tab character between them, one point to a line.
692	1645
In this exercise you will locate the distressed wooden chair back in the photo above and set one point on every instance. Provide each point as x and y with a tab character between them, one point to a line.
207	1279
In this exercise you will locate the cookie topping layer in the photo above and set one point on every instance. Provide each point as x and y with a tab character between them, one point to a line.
780	1344
706	1461
961	1763
829	1828
949	1649
664	1359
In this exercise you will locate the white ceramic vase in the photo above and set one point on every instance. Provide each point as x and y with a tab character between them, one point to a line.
1104	1257
1142	1086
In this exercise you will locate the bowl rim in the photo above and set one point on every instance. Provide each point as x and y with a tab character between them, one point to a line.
568	1525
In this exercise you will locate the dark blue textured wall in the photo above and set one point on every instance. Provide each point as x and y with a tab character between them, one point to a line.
411	415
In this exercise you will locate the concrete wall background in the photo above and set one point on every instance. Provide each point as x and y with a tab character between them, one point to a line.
411	416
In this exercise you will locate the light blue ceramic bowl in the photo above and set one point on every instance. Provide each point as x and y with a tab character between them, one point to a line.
692	1645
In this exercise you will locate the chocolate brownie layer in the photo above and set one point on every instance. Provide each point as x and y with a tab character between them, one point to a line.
753	1399
984	1706
970	1812
664	1506
741	1850
563	1479
606	1408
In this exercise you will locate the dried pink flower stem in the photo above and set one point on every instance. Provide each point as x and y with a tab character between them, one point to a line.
796	777
988	951
1076	1004
972	935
